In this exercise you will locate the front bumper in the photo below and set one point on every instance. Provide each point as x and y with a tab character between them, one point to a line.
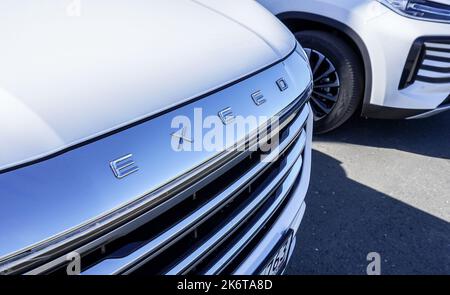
389	39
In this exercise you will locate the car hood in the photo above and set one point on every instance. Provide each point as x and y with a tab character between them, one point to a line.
73	71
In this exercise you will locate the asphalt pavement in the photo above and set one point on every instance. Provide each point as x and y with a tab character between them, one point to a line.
378	186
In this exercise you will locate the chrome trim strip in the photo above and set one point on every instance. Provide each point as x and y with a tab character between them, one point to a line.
117	265
292	170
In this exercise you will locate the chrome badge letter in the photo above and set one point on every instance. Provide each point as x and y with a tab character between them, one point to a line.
258	98
226	115
124	166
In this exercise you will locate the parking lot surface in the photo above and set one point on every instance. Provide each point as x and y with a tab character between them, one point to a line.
378	186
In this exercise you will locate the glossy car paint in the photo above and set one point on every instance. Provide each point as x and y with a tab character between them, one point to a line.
67	78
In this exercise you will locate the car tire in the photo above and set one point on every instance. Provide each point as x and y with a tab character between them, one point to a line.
335	104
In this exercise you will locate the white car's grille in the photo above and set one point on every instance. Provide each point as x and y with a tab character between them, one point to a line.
435	67
207	231
427	62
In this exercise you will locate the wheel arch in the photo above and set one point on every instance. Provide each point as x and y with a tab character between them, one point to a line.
301	21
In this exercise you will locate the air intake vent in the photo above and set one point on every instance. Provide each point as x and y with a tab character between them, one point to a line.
428	61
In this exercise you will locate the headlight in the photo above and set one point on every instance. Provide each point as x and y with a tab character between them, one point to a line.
435	10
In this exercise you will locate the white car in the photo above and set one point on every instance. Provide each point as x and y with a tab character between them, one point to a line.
391	57
105	163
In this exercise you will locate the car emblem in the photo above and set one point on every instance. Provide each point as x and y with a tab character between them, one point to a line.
123	166
226	115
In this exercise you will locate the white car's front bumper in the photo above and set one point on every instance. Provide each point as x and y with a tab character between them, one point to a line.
390	39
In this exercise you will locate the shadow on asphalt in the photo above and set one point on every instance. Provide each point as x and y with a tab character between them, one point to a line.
428	137
346	220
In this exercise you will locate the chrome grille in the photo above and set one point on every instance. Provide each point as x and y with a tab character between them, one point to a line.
236	205
202	228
